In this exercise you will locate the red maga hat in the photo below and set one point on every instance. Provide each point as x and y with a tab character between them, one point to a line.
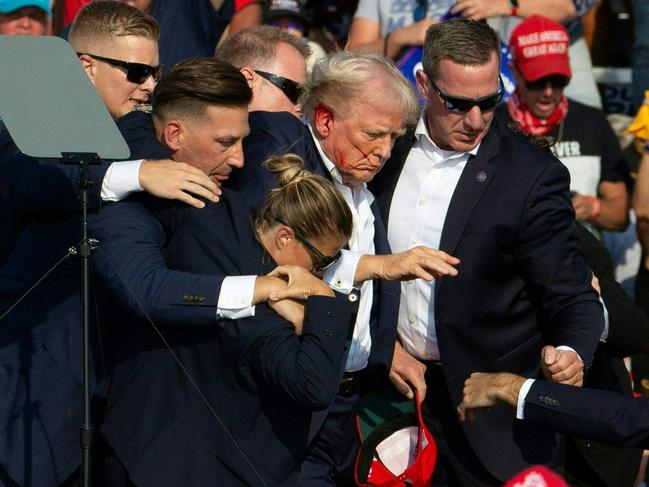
539	48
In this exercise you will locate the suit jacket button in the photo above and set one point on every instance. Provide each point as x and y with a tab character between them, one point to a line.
331	315
328	332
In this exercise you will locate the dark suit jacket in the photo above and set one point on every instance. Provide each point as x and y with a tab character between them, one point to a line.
40	345
281	133
628	325
259	377
522	283
256	375
32	187
137	129
271	133
628	334
602	416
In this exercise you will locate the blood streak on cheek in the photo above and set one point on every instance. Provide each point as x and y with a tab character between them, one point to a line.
340	157
365	156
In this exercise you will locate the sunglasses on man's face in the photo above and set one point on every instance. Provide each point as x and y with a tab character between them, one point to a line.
463	105
136	73
322	262
556	81
290	88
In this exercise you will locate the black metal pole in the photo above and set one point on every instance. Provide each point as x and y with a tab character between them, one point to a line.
86	428
83	160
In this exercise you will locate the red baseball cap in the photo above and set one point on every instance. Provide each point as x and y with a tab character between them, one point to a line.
539	48
397	449
537	476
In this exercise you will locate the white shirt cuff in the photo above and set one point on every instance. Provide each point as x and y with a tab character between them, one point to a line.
340	276
566	347
522	394
604	336
121	179
235	299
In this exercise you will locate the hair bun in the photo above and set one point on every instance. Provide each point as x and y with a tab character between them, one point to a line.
286	168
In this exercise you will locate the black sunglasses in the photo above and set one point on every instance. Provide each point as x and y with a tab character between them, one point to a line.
136	73
290	88
463	105
557	82
323	262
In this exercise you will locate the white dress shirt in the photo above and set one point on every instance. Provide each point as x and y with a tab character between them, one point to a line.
419	205
359	199
417	214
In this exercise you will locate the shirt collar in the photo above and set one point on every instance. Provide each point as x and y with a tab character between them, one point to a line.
422	136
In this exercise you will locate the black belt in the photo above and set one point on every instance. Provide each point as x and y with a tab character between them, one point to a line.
434	363
349	384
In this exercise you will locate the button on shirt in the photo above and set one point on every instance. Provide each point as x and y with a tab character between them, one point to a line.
419	205
359	199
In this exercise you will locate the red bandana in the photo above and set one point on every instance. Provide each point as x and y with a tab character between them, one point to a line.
530	123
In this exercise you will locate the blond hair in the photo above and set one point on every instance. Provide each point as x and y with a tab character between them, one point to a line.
359	76
102	21
306	202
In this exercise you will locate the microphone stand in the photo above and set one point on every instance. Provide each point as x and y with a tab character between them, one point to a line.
89	133
87	436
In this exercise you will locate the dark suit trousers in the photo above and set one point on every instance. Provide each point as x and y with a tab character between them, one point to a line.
457	465
330	458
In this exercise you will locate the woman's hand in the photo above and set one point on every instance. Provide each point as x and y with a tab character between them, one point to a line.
301	284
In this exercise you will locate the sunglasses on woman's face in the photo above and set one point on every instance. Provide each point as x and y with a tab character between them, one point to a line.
322	262
463	105
136	73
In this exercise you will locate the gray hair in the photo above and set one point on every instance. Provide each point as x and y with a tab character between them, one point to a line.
462	41
256	46
345	76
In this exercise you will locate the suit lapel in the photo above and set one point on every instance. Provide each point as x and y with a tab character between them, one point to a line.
314	162
475	179
386	180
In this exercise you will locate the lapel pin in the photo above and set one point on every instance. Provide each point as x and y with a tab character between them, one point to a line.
481	177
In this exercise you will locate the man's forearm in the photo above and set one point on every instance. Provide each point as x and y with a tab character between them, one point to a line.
264	285
506	388
369	267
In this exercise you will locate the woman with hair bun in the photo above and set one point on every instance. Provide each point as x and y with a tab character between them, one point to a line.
264	382
305	213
